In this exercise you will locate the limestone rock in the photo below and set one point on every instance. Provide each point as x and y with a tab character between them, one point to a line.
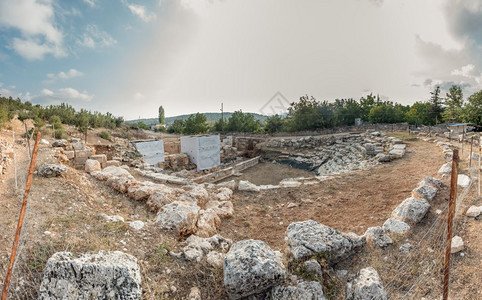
251	267
309	237
313	267
436	183
51	170
411	209
405	248
194	294
395	226
366	286
427	192
59	143
137	225
197	247
215	259
208	223
311	290
104	275
181	216
92	165
143	190
115	218
247	186
223	194
378	237
463	180
445	169
223	209
474	211
121	184
457	244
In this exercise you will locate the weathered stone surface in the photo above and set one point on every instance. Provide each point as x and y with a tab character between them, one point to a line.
251	267
463	180
78	146
92	165
311	290
215	259
51	170
457	244
366	286
405	248
197	193
395	226
474	211
137	225
112	163
411	209
445	168
69	154
436	183
223	194
247	186
181	216
104	275
115	218
121	184
59	143
223	209
111	171
397	153
194	294
208	223
197	247
143	190
377	236
44	142
427	192
309	237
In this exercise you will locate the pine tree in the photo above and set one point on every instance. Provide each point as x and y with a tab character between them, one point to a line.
162	118
454	102
436	108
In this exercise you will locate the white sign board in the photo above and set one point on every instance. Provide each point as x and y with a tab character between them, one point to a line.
204	151
153	151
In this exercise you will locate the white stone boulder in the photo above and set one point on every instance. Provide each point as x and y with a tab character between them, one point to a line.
445	169
247	186
121	184
51	170
104	275
197	247
311	290
179	215
463	180
208	223
215	259
142	190
92	166
367	285
223	209
250	268
223	194
474	211
395	226
436	183
411	210
137	225
309	237
377	237
457	244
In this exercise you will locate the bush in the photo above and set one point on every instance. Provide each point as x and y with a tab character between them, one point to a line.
59	133
105	135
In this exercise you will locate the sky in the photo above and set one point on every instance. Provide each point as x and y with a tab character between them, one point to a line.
128	57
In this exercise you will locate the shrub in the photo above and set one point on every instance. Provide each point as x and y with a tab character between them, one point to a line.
105	135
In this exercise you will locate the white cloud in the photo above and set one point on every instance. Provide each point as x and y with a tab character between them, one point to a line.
464	71
11	92
68	94
74	94
36	23
72	73
46	92
91	3
141	12
93	38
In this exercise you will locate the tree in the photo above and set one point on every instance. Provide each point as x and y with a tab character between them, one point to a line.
436	108
241	122
305	114
274	124
220	125
162	118
418	113
473	109
453	103
196	124
176	127
3	115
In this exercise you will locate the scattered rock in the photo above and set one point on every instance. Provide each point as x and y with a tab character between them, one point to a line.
366	286
59	143
309	237
457	244
195	294
313	267
291	205
377	237
311	290
115	218
474	211
436	183
395	226
51	170
411	209
104	275
92	165
215	259
137	225
223	194
445	169
224	209
208	223
427	192
44	142
248	186
463	180
196	247
251	267
405	248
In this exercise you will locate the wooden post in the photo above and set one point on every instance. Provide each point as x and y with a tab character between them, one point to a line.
20	219
480	154
14	162
28	140
463	138
450	222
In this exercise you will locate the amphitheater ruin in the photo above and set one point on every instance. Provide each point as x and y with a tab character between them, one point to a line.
350	215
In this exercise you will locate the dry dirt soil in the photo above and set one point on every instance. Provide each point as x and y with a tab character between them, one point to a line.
63	216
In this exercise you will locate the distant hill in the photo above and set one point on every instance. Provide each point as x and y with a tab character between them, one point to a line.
211	117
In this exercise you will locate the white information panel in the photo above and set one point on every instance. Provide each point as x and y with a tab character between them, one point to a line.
153	151
203	150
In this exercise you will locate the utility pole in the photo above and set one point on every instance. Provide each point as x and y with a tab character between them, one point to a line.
222	116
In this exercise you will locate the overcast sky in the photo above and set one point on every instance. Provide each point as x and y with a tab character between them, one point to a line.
130	56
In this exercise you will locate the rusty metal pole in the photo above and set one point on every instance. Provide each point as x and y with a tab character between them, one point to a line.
20	219
450	221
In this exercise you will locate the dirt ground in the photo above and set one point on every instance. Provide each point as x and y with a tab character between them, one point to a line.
63	215
270	173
